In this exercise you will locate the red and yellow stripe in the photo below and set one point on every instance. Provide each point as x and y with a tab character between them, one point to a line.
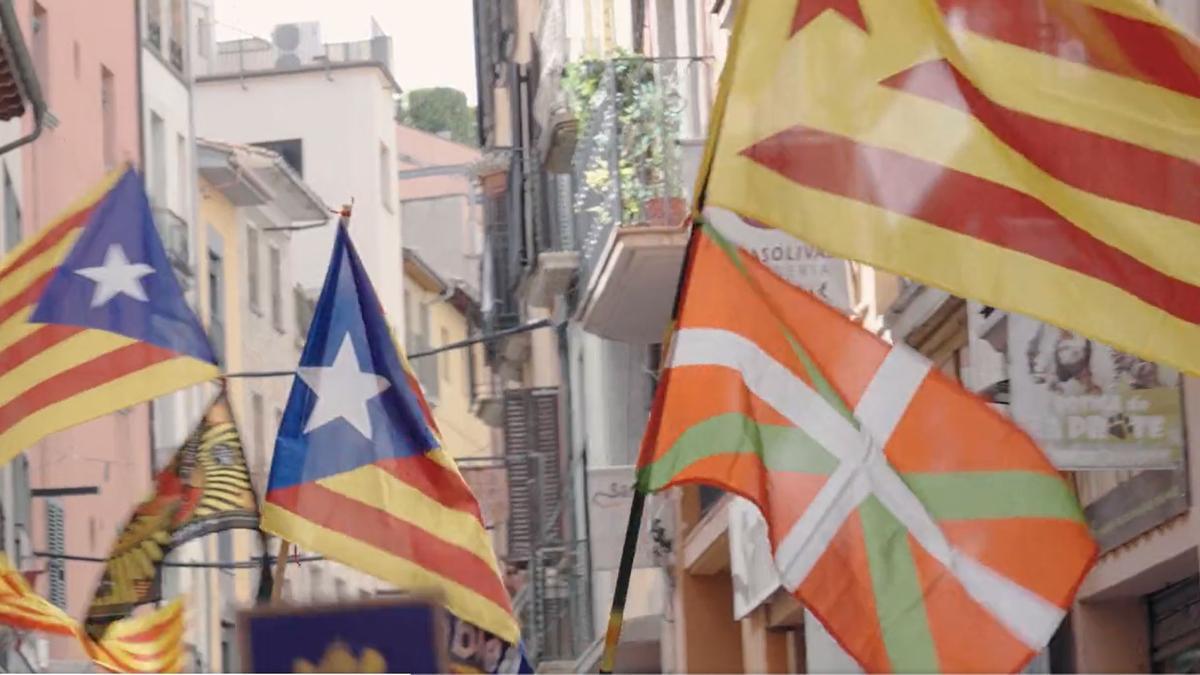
53	377
411	521
996	150
148	643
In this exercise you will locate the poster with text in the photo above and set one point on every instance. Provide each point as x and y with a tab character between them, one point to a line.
1091	406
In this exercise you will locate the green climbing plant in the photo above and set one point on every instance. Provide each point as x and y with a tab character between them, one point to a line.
642	106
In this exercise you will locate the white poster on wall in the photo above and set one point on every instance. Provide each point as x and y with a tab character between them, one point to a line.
802	265
1090	406
751	564
610	496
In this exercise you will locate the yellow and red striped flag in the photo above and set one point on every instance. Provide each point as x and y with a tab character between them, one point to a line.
1041	156
149	643
927	532
23	609
92	318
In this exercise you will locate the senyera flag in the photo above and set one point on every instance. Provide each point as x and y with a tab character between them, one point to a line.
1039	156
926	531
92	318
358	474
148	643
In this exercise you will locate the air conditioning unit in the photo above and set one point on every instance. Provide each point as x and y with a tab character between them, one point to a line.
297	44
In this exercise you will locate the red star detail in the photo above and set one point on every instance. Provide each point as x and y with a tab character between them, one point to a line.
807	10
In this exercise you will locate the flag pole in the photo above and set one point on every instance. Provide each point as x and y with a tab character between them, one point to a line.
280	570
616	615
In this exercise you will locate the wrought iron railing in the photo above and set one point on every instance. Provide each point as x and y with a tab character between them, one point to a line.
627	168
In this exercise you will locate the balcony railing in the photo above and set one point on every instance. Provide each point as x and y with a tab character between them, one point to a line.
173	230
627	168
257	55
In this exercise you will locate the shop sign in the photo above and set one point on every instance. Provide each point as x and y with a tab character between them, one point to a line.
610	496
793	260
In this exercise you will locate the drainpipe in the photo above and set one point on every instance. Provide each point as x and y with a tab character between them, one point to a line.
23	66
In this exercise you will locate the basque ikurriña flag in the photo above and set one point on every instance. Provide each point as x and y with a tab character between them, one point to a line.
358	473
92	318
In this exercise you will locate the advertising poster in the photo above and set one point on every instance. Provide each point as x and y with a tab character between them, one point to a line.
1090	406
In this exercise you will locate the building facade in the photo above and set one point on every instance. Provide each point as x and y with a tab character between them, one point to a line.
342	141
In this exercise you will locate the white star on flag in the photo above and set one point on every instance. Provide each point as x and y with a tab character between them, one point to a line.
117	276
342	390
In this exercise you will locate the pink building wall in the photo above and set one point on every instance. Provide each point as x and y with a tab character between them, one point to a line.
111	453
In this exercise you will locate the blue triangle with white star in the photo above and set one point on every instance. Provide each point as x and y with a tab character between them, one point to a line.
117	278
351	403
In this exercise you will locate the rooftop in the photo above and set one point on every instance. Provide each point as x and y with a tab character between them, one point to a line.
297	47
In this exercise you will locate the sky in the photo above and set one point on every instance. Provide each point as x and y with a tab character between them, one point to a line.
432	40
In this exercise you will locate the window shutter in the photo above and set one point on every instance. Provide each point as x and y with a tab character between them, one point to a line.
518	448
531	441
56	542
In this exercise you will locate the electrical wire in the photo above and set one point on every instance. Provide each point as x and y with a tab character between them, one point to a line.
237	565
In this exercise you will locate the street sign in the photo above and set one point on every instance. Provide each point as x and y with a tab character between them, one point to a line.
372	636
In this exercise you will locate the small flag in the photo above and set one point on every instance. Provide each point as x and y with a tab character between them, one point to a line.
358	473
23	609
926	531
206	488
1039	156
151	643
92	319
148	643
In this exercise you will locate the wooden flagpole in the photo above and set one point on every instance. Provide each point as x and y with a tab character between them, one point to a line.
280	570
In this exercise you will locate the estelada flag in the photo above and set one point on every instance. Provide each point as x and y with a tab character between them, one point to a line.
206	488
359	474
926	531
1040	156
92	318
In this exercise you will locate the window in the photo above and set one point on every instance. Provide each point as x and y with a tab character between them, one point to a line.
178	35
56	568
154	24
252	266
12	214
182	172
385	176
41	47
444	357
216	294
260	424
108	118
276	289
291	150
158	160
203	33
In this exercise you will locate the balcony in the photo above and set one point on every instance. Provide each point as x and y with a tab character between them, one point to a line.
173	230
630	181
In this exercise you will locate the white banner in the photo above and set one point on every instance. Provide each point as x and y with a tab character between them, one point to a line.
1090	406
